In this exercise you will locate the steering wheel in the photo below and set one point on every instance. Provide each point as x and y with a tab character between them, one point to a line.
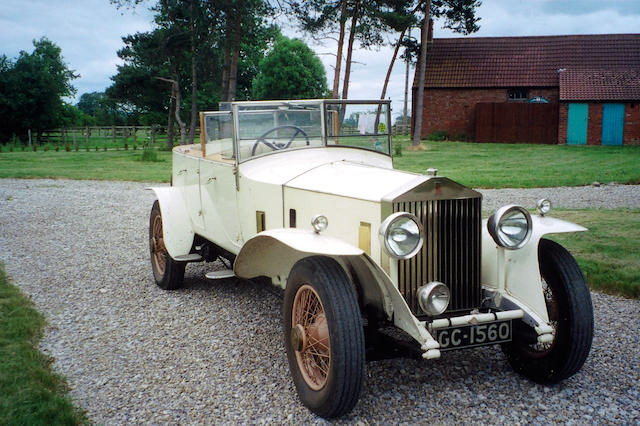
276	145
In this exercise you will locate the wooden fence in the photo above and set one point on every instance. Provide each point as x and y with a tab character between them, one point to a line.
400	129
512	122
107	135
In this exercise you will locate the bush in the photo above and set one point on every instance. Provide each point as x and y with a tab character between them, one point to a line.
438	135
149	154
462	137
397	149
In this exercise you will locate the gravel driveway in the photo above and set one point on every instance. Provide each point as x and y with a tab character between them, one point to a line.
212	352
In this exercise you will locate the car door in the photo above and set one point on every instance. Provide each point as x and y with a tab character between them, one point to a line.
218	184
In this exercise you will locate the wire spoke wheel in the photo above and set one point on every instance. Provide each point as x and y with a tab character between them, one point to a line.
167	273
158	250
311	337
323	336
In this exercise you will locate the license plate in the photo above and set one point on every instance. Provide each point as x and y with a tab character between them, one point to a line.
467	336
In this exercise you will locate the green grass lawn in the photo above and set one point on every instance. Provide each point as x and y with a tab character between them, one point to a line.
30	393
484	165
609	253
100	165
472	164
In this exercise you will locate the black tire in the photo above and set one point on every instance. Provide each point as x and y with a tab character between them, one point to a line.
570	312
167	273
336	392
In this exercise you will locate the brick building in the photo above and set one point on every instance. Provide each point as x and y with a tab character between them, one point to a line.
550	89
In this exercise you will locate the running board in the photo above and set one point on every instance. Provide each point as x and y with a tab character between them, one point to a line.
193	257
219	275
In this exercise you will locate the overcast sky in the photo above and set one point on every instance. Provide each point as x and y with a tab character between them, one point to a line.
89	33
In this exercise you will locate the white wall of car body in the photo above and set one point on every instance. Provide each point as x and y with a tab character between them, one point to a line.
287	165
351	180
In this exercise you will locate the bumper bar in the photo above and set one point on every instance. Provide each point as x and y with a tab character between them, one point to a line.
430	348
475	319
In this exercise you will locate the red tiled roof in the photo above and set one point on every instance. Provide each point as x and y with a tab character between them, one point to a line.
526	61
599	85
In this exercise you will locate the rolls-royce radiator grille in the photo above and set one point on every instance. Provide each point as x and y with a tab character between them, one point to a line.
450	254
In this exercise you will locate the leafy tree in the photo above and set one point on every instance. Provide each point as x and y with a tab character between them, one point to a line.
90	103
33	88
319	18
152	59
202	51
99	110
290	71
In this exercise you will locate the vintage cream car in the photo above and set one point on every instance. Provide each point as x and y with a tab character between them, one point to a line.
305	193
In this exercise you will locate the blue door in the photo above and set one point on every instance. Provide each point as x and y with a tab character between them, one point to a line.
577	124
612	124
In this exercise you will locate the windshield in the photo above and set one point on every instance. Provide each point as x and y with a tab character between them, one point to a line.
358	125
264	129
271	126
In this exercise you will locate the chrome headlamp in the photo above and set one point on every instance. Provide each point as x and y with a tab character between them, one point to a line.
510	226
319	223
433	298
401	235
544	206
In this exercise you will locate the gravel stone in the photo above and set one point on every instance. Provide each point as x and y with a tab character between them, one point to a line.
212	352
610	196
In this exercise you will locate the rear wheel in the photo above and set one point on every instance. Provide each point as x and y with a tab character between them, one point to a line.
324	337
571	315
167	272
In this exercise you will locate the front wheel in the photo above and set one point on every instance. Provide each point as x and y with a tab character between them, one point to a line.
167	272
323	336
571	315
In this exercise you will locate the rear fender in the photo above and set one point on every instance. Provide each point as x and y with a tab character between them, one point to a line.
515	274
176	226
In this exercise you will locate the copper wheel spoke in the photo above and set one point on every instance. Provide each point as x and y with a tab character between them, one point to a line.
314	343
314	358
158	249
322	355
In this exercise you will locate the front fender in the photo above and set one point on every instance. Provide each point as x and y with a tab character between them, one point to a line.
516	273
273	254
176	225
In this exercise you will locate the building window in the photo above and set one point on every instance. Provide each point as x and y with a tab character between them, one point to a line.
517	94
